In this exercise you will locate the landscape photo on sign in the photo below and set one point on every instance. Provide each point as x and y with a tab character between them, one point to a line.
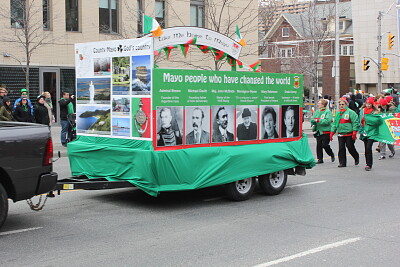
121	127
102	66
121	75
93	119
121	106
141	75
93	90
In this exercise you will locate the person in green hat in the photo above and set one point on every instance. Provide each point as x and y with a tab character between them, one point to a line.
66	107
321	125
24	94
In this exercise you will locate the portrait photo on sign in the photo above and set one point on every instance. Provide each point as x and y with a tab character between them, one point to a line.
223	124
141	75
197	125
290	121
121	75
141	114
246	123
121	127
169	126
93	119
269	122
93	90
102	66
121	106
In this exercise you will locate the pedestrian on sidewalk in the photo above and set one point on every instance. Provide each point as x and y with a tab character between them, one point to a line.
3	93
6	110
321	125
66	107
368	126
346	125
23	111
385	107
24	94
49	105
41	112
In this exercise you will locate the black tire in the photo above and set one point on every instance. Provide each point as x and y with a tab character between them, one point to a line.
240	190
3	205
273	183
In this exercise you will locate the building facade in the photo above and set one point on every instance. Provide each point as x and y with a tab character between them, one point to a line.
56	25
365	14
295	46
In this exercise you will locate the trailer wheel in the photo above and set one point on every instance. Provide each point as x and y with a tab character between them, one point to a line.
240	190
3	205
273	183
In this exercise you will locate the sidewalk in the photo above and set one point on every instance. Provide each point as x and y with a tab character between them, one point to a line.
56	136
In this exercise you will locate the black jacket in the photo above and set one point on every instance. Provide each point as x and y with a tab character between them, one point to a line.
42	114
21	115
64	108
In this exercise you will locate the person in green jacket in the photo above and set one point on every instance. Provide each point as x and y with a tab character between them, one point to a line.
321	125
368	127
346	125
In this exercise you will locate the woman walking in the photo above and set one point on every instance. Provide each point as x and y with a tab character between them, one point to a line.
346	125
41	113
321	124
6	110
368	126
385	107
49	105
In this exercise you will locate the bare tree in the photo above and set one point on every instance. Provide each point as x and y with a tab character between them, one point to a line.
28	23
267	15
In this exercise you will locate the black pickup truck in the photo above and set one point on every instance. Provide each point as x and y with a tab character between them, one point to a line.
26	167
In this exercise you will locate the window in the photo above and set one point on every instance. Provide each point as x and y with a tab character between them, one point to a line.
351	50
344	48
341	25
286	52
347	50
285	32
160	12
108	16
17	13
139	15
71	16
46	15
197	13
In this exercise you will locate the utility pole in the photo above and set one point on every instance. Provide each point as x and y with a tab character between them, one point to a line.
337	50
379	86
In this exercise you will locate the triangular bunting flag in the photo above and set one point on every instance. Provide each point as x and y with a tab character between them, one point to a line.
157	52
185	49
151	25
255	66
239	63
204	48
239	37
219	55
168	50
192	41
232	62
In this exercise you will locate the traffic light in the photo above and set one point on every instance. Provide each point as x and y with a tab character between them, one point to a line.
384	63
366	66
390	41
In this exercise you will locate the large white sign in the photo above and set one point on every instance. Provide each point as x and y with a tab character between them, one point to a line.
113	88
181	35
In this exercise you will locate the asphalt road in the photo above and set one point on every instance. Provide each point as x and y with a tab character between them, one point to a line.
330	217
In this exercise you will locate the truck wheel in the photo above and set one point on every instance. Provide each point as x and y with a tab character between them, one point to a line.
240	190
273	183
3	205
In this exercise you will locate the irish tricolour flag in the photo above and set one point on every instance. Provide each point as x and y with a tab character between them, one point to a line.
239	37
151	26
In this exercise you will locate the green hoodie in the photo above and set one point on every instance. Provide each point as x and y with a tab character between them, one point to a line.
345	122
325	119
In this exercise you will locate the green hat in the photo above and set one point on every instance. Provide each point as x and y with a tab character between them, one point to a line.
23	90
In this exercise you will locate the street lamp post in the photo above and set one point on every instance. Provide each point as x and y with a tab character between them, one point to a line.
337	59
